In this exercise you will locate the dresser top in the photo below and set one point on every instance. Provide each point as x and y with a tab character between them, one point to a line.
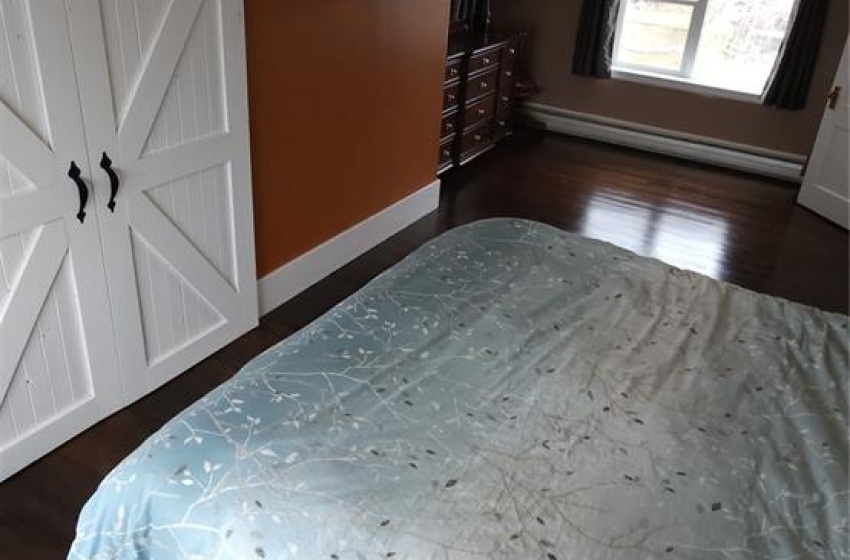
463	42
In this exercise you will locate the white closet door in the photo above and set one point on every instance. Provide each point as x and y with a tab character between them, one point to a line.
163	88
57	361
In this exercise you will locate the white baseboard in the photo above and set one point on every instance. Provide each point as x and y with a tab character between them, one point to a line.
732	155
305	270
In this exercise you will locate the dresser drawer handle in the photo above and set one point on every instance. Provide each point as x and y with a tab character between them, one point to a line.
502	123
450	96
483	84
449	126
446	153
481	112
453	71
511	50
505	98
477	138
508	73
485	61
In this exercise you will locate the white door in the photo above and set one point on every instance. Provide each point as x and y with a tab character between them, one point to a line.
826	188
163	89
58	371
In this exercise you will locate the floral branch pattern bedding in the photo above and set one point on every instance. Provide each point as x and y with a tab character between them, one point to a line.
509	390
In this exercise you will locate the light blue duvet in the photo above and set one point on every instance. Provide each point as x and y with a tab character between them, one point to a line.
508	391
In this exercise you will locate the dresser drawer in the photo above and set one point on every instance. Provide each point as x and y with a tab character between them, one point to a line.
478	112
449	125
451	96
482	84
444	160
484	59
453	69
507	78
509	52
504	104
476	140
501	128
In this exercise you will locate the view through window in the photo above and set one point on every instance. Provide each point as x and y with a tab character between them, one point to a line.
726	44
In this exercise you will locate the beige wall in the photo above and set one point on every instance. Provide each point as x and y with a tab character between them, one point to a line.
345	99
552	25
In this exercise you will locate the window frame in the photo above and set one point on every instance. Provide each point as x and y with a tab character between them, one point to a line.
681	79
669	81
689	53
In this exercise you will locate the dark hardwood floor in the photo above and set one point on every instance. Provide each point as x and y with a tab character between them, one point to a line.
731	226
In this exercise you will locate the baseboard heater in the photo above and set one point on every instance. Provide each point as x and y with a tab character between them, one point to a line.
741	157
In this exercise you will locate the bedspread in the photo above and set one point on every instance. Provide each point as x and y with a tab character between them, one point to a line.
509	390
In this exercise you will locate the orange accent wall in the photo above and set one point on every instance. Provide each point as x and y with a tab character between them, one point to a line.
345	100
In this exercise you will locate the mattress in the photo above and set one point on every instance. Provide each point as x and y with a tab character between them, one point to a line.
508	390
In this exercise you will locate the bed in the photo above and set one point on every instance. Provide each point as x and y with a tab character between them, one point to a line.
508	390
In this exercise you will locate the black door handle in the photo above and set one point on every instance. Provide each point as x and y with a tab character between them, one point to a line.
106	165
74	174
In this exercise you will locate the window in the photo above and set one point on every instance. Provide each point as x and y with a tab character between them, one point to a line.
729	45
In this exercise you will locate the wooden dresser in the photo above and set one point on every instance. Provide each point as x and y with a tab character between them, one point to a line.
478	99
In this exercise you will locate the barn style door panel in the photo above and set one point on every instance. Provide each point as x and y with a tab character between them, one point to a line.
163	92
58	369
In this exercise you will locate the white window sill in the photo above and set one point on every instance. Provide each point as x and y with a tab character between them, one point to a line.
683	84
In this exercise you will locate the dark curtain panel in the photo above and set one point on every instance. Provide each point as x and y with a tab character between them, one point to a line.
788	87
594	49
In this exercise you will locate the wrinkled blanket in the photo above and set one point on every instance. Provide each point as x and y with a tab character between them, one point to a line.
509	390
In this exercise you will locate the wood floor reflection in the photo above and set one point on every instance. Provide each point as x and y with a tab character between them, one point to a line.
730	226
